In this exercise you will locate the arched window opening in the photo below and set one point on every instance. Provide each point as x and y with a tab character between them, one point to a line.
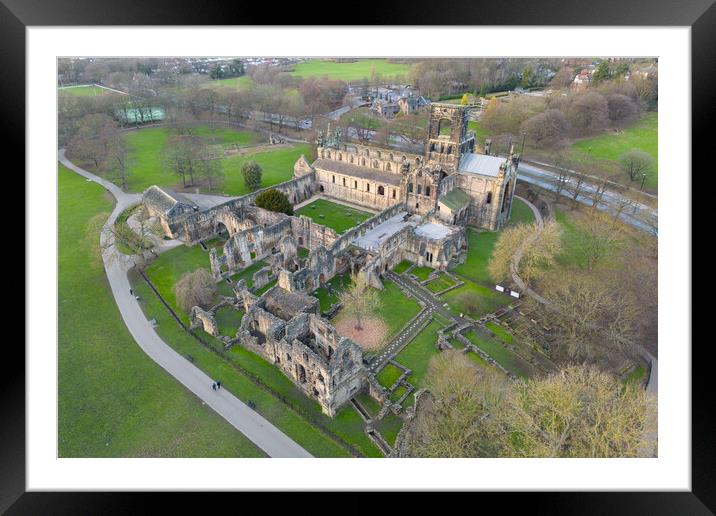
410	187
489	198
381	190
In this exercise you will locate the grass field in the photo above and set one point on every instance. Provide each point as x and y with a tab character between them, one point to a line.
500	332
422	273
643	135
521	213
402	267
388	375
485	300
146	168
113	400
168	268
397	309
440	283
233	82
355	71
347	423
228	320
335	216
87	91
416	355
276	165
479	251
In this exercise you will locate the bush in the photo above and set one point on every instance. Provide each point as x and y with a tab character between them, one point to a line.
252	175
621	108
274	200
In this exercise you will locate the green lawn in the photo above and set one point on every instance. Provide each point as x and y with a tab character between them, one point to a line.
501	333
416	355
276	167
500	354
146	168
521	213
335	216
402	267
355	71
297	423
642	135
440	283
368	403
325	298
479	251
422	273
485	300
228	320
168	268
389	427
233	82
397	309
388	375
113	400
86	91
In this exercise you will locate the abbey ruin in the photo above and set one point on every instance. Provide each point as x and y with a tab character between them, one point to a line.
424	202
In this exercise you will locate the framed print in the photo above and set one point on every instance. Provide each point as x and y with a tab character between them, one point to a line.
429	253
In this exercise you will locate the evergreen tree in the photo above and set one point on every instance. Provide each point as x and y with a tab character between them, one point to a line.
274	200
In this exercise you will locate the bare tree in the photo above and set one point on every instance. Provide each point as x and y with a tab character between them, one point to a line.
196	288
359	300
636	163
578	412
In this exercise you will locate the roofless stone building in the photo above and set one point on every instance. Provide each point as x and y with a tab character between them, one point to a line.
425	202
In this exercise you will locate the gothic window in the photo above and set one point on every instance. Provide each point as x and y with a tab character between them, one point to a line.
489	197
427	190
340	156
350	158
344	181
362	161
355	184
375	163
420	189
393	193
387	167
381	190
334	179
449	149
410	187
367	187
328	154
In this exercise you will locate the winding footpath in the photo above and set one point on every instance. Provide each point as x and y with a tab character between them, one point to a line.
257	429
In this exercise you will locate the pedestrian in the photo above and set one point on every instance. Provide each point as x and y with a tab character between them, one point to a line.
218	384
213	386
131	293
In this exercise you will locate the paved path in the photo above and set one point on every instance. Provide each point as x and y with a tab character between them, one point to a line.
262	433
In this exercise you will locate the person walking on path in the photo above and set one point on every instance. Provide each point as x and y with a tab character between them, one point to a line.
218	384
213	386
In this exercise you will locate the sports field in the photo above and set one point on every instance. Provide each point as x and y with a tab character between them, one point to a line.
90	90
355	71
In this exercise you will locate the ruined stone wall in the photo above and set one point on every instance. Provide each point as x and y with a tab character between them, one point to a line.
197	226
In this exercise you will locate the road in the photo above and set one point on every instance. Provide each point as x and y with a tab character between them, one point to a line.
640	216
257	429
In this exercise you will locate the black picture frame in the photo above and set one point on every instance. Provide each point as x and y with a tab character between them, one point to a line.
16	15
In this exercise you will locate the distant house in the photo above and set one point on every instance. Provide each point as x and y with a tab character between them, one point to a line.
582	79
411	104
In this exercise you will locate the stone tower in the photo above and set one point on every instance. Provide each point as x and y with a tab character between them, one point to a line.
448	137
